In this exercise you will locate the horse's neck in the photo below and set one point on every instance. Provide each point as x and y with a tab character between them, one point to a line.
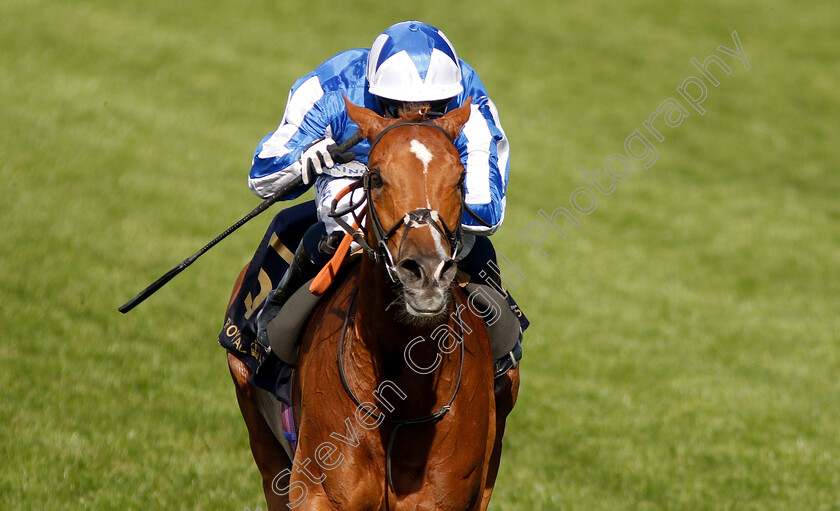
378	306
384	339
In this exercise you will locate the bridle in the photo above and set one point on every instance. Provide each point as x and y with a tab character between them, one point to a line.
416	218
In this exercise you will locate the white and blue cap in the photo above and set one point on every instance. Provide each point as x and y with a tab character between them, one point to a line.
413	61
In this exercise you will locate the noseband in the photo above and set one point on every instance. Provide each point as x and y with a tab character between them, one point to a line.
416	218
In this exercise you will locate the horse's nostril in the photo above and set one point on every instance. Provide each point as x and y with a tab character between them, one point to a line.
413	269
426	271
444	270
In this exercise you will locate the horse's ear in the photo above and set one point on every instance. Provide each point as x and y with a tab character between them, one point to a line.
455	120
370	123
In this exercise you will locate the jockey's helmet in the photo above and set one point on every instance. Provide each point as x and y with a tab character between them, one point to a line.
413	62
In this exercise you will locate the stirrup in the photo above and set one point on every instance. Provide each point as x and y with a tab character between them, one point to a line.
262	331
509	361
262	340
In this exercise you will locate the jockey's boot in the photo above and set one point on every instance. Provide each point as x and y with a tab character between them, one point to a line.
311	255
300	271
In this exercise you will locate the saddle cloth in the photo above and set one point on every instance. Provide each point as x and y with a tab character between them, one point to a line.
266	269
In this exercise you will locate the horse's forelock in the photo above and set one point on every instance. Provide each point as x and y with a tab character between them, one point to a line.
414	111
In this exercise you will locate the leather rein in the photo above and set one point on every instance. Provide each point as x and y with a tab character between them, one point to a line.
380	417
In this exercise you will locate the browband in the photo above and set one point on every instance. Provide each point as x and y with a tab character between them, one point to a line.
406	123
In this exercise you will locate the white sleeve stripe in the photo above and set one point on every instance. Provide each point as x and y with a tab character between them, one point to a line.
266	186
300	103
502	147
276	145
478	172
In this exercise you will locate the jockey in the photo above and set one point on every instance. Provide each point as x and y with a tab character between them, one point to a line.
410	63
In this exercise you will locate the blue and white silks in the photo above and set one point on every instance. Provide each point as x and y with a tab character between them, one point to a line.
315	108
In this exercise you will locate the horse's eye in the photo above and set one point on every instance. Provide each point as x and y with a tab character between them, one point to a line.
375	179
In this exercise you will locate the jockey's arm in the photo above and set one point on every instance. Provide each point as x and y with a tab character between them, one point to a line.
486	156
276	159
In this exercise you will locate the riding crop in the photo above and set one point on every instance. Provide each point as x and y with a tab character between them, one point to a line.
335	152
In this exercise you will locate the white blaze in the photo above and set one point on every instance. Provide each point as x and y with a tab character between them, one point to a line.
425	156
422	154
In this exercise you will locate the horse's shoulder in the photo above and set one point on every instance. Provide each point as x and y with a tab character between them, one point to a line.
335	302
344	284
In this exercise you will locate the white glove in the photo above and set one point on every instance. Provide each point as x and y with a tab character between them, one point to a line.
315	159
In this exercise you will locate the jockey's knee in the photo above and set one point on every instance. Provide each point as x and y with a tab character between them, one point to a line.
319	245
478	260
311	241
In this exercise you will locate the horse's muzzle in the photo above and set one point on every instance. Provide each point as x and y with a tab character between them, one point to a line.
425	281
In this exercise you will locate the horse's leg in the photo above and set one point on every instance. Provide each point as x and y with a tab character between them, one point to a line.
505	399
270	457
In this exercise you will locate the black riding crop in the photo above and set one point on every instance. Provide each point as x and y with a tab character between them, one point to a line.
337	152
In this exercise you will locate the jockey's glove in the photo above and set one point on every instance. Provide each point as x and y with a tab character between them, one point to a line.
316	158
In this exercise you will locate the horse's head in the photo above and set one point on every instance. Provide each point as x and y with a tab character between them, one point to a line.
415	196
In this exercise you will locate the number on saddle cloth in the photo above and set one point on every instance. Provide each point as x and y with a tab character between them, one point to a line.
266	269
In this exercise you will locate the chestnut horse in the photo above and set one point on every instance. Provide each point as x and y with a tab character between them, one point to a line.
393	390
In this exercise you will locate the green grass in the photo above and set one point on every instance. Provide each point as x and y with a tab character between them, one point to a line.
684	353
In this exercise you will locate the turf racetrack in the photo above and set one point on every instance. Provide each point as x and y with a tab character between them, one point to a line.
684	349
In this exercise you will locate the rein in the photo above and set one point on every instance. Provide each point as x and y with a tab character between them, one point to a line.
380	417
